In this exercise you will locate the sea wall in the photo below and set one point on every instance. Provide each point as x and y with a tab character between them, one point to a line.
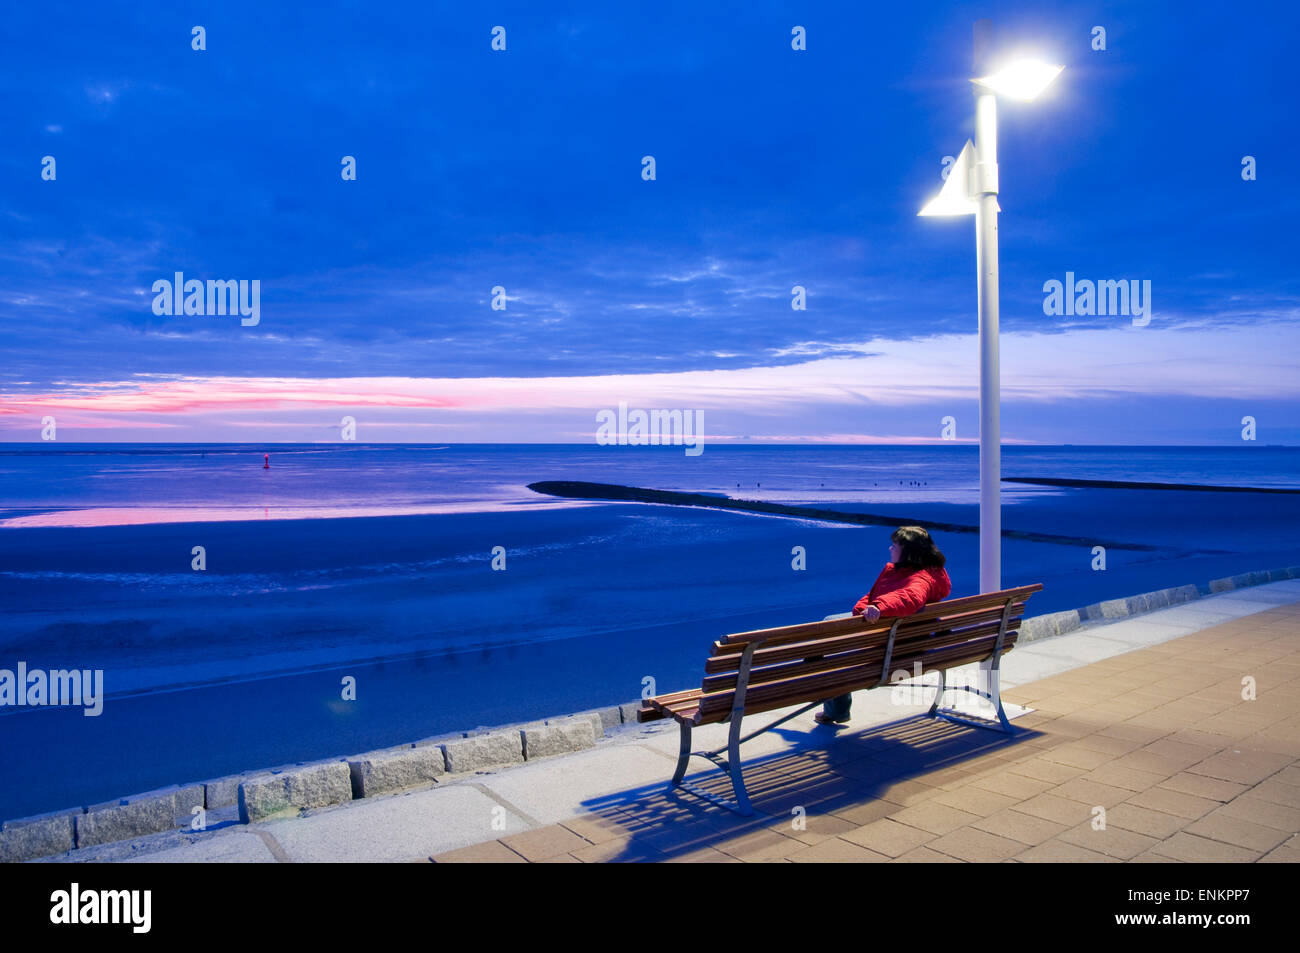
1059	623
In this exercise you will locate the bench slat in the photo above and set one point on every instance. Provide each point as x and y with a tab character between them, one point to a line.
727	658
931	612
865	630
691	705
800	663
851	680
862	676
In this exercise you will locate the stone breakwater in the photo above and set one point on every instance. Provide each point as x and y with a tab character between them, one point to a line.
286	790
615	492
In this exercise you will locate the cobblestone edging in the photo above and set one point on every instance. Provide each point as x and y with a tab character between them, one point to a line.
291	788
282	791
1059	623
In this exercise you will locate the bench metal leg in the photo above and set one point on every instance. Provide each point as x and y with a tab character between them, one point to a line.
733	765
730	764
992	675
683	752
994	697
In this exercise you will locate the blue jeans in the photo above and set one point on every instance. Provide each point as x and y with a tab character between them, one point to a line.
837	708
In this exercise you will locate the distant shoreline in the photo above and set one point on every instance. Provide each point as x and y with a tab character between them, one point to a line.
614	492
1131	485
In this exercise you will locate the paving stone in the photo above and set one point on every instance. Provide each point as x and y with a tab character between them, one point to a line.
1198	785
1148	857
596	828
1185	755
951	778
1151	762
1241	765
1013	785
1018	826
923	855
1192	849
935	818
1111	841
489	852
760	846
682	836
908	793
1290	775
1281	855
623	850
1052	772
1172	802
1061	852
819	826
1132	732
1130	779
835	850
1260	811
976	846
1092	793
858	815
1077	756
1238	832
975	800
1108	744
1053	807
1143	820
544	842
705	855
1279	792
887	836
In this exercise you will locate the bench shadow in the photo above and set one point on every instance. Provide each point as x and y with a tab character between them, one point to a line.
824	774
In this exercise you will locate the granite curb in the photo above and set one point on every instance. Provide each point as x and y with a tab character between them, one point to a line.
304	786
1059	623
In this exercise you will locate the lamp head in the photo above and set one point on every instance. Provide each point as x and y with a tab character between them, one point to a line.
1021	79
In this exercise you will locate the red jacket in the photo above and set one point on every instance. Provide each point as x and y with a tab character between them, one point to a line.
900	592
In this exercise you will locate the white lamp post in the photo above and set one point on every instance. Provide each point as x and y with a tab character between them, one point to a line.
972	188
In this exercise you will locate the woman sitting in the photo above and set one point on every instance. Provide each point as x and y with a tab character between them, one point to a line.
913	577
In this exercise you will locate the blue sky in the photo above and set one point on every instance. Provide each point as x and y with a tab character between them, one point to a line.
522	169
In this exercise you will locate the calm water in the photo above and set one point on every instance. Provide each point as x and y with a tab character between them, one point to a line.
237	666
108	484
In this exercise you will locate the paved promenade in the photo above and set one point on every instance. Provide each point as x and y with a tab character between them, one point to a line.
1141	743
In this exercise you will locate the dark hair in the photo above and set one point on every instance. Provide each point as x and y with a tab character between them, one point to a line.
917	549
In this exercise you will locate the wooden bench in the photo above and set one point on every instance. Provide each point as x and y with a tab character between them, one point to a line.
752	672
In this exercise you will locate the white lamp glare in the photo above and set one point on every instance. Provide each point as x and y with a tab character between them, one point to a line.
1023	79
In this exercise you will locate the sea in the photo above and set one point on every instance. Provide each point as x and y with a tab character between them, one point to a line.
257	605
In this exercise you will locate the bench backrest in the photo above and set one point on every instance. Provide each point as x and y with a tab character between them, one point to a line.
816	660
